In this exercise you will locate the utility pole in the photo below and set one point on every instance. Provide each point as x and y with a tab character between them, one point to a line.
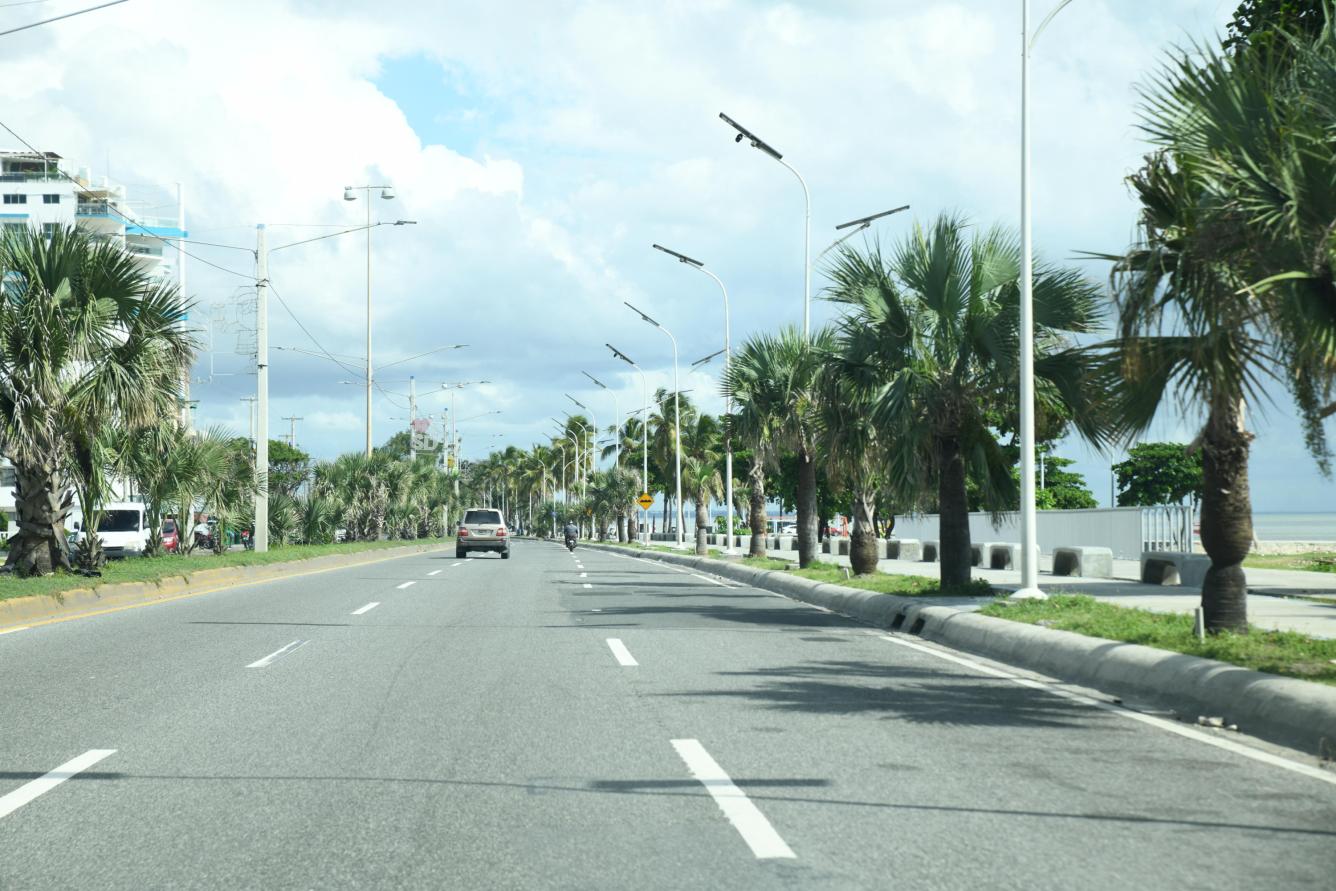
261	535
250	414
412	416
292	431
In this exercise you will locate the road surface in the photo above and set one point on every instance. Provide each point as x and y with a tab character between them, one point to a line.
596	721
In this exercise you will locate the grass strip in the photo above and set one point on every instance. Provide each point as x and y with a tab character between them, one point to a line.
155	569
1285	653
1311	561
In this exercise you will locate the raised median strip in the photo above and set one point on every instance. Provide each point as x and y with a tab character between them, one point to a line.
84	602
1290	712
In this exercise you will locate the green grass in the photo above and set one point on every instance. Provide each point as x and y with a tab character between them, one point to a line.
1278	652
138	569
1312	561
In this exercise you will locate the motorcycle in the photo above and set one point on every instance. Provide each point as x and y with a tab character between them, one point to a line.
246	541
570	543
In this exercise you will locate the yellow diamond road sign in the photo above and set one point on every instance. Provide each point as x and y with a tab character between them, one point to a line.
645	500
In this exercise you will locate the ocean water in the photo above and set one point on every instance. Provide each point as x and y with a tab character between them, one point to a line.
1294	527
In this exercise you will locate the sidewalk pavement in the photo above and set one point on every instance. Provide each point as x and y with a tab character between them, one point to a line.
1275	599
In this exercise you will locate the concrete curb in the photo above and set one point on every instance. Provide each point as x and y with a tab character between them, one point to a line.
45	608
1289	712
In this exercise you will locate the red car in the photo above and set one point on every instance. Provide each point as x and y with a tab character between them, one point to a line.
171	539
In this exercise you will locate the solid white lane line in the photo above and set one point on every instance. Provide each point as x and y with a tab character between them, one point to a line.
620	651
587	585
405	585
1228	745
48	781
277	654
434	572
12	630
746	818
706	578
366	609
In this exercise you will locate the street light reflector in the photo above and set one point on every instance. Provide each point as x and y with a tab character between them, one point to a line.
864	221
682	257
349	194
756	141
594	379
619	354
643	316
576	401
387	193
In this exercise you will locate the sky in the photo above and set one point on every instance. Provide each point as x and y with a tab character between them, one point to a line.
542	147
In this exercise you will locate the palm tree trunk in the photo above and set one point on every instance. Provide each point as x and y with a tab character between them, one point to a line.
756	509
39	547
807	508
953	514
863	554
1226	518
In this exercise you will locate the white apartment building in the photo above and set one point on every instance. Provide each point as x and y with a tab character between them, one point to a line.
38	189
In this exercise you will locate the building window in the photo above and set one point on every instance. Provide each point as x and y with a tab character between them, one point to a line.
16	199
50	199
49	229
16	226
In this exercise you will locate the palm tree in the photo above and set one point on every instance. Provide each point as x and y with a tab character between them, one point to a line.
88	341
857	454
774	380
930	339
1231	281
702	448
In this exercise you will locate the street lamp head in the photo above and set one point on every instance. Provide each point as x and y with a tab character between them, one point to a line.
349	194
642	315
756	141
620	355
594	379
576	401
700	362
683	258
864	222
405	222
387	193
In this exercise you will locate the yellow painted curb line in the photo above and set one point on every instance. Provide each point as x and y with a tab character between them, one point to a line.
239	583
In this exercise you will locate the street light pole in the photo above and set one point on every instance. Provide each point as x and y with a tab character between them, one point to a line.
677	421
617	417
349	194
644	433
763	146
261	531
1029	589
728	396
861	224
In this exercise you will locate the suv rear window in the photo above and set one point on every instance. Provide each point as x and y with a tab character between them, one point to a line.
475	517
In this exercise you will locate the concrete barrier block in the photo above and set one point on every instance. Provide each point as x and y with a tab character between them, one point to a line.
1004	556
932	551
1174	568
1086	562
904	549
825	546
785	542
842	546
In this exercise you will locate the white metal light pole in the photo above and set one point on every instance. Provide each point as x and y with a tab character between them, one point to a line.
617	416
728	397
763	146
592	458
677	421
861	224
350	194
1029	589
644	433
261	532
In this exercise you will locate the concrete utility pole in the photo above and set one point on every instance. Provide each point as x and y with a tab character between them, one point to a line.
412	416
261	535
350	194
292	430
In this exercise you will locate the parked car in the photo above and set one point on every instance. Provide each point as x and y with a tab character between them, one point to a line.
122	529
482	529
171	536
790	529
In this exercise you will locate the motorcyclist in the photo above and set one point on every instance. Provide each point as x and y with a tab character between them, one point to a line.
202	533
572	532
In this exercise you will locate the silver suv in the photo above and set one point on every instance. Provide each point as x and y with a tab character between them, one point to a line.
482	529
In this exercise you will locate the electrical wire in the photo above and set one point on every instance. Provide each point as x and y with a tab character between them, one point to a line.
321	347
112	209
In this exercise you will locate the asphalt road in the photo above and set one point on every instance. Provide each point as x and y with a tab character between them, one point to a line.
593	721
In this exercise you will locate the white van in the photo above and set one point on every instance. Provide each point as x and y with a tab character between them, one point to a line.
123	530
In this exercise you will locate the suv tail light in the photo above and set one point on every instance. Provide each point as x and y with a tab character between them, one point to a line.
500	531
463	533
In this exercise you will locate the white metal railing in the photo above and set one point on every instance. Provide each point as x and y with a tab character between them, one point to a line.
1168	528
92	208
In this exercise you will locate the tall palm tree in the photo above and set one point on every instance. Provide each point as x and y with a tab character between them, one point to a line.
930	337
774	380
88	341
857	452
1232	279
